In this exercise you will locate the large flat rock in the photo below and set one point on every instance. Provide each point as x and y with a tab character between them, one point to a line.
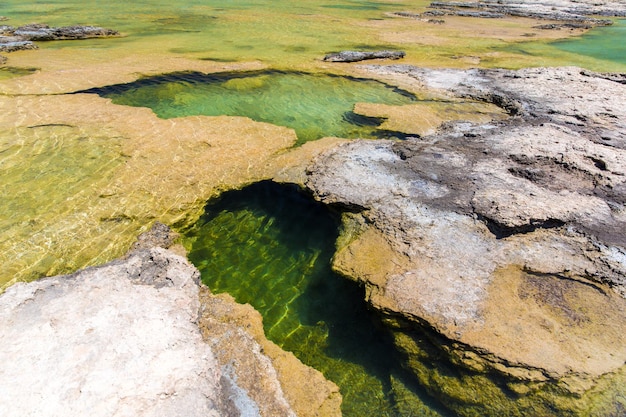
504	241
134	338
117	340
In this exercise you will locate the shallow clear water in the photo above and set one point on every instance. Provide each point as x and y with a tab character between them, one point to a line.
314	105
270	245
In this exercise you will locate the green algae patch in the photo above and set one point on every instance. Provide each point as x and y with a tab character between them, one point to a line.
13	72
314	105
270	246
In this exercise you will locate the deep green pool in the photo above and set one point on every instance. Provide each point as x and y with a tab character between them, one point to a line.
271	245
314	105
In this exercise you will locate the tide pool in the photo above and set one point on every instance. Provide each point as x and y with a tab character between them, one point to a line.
314	105
271	245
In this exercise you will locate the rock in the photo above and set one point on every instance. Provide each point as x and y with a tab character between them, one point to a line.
278	383
355	56
21	38
498	249
123	339
102	342
159	235
575	13
12	44
3	60
42	32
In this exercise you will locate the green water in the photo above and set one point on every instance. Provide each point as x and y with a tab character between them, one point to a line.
600	49
605	43
314	105
287	34
279	32
270	246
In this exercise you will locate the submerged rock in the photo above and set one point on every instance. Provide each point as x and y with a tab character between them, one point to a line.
355	56
123	339
497	251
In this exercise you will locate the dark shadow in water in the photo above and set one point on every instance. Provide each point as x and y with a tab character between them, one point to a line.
354	334
192	77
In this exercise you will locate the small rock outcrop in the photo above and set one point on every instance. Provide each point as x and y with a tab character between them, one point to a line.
497	250
123	339
574	14
43	32
22	38
356	56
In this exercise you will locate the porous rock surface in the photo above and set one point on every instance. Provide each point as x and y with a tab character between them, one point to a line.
503	243
561	10
356	56
123	340
116	340
23	37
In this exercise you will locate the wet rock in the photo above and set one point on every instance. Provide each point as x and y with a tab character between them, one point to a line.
123	339
355	56
159	235
277	382
42	32
498	250
12	44
22	38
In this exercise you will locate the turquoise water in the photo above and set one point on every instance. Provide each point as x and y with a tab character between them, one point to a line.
314	105
600	49
270	245
606	43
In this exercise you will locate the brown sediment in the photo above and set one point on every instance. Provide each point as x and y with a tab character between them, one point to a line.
235	333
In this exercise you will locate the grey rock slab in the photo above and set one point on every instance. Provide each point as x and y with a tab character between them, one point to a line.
468	206
356	56
102	343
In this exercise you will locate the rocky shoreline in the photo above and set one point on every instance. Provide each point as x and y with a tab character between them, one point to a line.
499	248
145	327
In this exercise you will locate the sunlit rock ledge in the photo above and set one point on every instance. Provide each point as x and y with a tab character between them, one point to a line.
497	251
139	336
